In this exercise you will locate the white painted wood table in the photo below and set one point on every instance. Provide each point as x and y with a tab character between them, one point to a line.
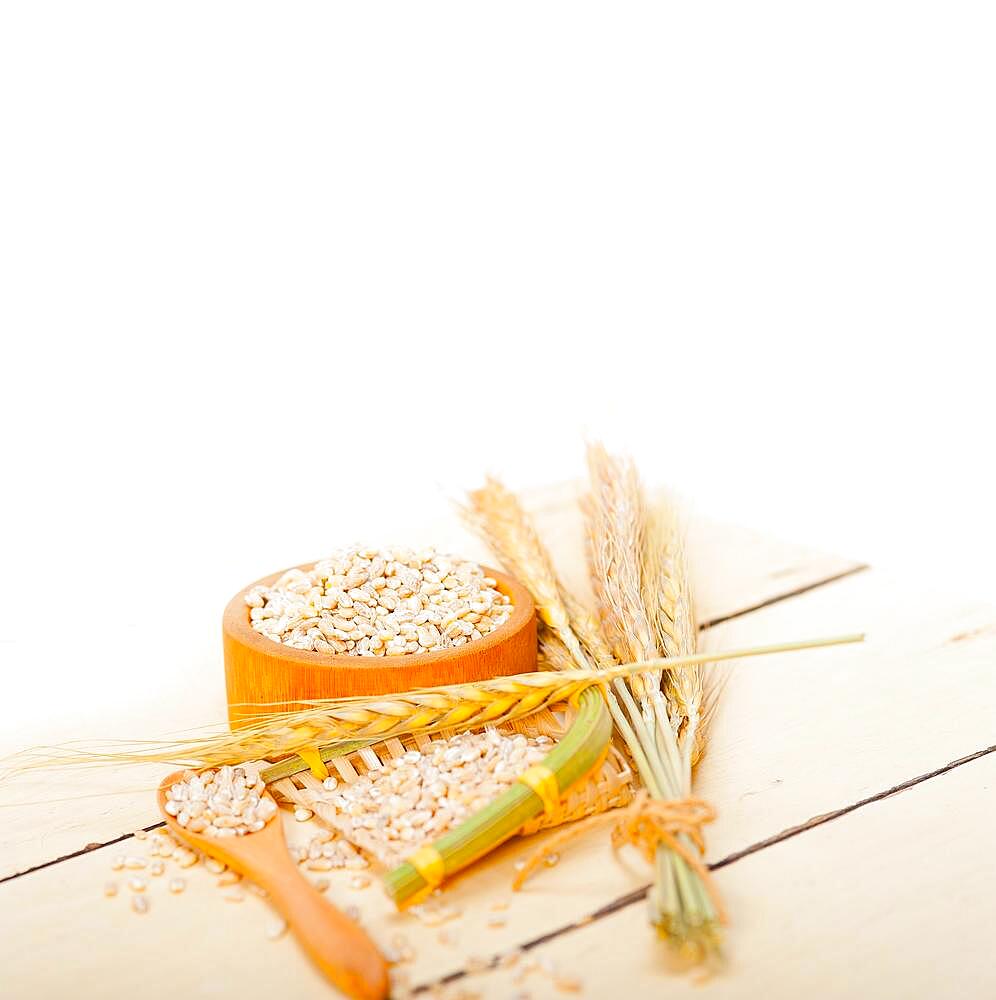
853	848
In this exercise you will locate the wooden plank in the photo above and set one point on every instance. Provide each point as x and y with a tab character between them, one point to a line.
897	899
807	733
55	814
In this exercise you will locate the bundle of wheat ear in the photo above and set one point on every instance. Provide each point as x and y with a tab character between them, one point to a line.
644	612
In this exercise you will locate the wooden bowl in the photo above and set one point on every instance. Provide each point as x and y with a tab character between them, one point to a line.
264	676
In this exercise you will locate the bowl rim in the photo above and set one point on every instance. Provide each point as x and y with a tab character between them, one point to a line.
236	624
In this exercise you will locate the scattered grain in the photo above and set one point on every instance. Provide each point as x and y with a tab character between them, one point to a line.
567	984
400	949
526	966
433	913
140	904
177	885
276	928
161	845
510	959
110	889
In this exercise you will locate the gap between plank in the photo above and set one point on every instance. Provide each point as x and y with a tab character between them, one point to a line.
96	846
793	831
702	628
805	589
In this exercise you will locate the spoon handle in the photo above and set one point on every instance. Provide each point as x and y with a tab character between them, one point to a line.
337	945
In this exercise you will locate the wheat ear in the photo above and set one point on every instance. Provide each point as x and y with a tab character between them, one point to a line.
618	534
428	710
496	514
667	597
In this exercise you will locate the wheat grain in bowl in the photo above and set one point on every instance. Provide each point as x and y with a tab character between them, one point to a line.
380	602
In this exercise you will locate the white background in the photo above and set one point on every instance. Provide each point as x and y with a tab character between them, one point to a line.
275	274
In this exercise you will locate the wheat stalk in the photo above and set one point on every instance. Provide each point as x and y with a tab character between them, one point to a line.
570	635
454	707
427	710
636	626
637	571
615	522
496	514
499	517
668	599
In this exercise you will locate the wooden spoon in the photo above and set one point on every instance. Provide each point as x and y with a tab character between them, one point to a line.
339	947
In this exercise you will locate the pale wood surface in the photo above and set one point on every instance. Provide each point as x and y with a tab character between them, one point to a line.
49	819
827	912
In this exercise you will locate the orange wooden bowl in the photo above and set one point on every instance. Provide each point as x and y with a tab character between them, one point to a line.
264	676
